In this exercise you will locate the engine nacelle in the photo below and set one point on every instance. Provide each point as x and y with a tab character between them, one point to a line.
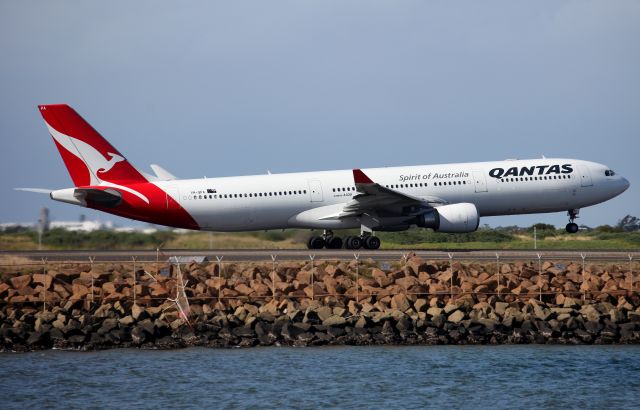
454	218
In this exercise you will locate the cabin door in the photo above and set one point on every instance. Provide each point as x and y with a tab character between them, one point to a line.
173	198
585	176
315	190
479	181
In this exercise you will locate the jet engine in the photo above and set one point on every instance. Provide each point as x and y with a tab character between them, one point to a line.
454	218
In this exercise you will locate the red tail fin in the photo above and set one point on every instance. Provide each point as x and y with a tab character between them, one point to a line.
89	158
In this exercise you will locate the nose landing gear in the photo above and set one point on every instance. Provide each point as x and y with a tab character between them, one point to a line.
572	227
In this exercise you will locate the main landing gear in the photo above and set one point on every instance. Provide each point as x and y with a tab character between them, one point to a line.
327	240
572	227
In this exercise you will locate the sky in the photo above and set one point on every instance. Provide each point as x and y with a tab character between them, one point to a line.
218	88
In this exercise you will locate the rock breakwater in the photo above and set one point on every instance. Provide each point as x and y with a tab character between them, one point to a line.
82	306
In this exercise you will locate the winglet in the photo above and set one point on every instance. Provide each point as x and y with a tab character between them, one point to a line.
360	177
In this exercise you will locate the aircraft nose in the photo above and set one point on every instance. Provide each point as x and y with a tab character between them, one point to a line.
625	184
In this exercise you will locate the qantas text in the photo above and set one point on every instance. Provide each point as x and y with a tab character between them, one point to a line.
532	170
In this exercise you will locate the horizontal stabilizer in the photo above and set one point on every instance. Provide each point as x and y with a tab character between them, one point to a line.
108	197
36	190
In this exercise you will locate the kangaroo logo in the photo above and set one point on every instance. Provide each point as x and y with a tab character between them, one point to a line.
93	160
115	158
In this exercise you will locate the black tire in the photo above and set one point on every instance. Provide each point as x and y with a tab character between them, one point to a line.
334	243
316	242
371	242
309	242
572	227
355	242
347	242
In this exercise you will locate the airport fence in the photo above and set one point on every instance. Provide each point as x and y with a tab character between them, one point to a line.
86	285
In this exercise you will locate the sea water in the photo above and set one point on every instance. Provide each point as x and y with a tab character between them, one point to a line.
531	376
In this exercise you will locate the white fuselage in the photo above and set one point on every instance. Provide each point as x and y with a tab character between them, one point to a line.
309	199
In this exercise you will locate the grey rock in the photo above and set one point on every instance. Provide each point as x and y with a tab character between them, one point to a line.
334	320
593	327
324	312
305	337
148	326
244	331
107	325
76	339
456	316
335	331
500	308
138	335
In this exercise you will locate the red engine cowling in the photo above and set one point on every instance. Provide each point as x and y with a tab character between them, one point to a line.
454	218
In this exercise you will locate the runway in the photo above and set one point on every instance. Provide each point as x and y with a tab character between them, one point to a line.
262	255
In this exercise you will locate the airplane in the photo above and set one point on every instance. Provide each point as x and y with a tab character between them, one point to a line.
446	198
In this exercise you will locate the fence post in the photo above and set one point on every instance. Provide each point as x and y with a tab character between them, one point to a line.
219	258
91	259
273	276
584	292
631	270
356	256
44	285
540	276
498	268
451	280
312	257
133	258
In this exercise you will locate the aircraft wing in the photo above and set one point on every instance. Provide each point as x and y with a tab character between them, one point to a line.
375	198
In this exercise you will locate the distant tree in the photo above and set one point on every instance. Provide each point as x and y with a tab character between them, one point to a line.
510	228
629	224
608	228
542	227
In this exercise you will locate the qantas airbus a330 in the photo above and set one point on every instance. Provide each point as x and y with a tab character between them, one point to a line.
445	198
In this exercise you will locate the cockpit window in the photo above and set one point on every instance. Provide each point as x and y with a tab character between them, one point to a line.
609	173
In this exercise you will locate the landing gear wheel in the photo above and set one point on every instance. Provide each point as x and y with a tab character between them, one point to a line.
334	243
572	227
371	242
353	242
315	242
